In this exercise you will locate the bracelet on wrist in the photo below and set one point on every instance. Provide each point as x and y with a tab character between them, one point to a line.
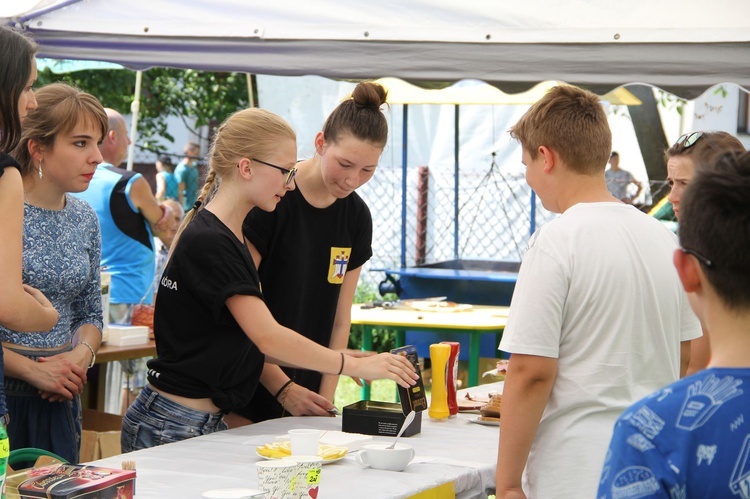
284	393
282	389
93	353
341	369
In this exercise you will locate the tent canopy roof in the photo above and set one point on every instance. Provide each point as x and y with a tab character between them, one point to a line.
681	46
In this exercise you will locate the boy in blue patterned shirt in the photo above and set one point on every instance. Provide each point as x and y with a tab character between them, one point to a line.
692	438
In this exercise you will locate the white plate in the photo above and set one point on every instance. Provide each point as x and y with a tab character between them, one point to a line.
437	306
479	420
325	461
232	493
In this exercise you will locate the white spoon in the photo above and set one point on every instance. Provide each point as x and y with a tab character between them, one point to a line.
407	422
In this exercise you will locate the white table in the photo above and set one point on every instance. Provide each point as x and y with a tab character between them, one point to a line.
455	450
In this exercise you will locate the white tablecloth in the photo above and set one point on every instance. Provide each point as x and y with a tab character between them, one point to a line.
452	450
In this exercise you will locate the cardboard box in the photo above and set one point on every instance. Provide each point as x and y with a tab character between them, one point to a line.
68	481
101	435
121	335
372	417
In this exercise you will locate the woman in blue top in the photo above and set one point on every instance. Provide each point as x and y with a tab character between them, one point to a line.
45	373
166	182
22	307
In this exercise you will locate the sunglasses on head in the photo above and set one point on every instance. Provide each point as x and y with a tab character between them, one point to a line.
689	139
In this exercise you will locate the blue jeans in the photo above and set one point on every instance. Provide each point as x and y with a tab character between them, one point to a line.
155	420
35	422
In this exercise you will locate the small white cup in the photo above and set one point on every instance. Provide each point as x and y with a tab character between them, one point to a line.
276	478
304	441
375	455
307	479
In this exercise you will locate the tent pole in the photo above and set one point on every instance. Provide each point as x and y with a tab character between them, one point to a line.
405	132
456	140
135	109
250	96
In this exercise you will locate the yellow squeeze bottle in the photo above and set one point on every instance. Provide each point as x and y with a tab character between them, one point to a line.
439	354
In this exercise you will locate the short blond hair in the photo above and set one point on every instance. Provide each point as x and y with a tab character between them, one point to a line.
571	121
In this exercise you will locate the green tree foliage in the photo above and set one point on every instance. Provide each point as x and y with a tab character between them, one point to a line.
202	96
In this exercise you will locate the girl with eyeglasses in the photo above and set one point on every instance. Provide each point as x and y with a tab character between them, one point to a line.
690	152
213	329
310	251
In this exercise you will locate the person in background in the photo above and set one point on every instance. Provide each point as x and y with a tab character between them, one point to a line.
163	243
45	373
213	330
129	216
166	182
187	175
325	220
597	319
618	180
683	158
690	439
22	308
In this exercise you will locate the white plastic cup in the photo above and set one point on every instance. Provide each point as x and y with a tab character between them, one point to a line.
276	478
304	442
307	479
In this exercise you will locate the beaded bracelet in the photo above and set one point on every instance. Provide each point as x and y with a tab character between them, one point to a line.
93	353
282	389
288	387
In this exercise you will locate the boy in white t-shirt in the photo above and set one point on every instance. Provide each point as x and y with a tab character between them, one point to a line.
598	318
692	438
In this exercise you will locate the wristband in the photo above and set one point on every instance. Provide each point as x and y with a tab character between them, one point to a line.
282	389
93	353
341	369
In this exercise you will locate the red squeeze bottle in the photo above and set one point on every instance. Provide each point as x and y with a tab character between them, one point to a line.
452	377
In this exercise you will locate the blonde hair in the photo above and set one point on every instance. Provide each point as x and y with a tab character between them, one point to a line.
249	133
571	121
60	108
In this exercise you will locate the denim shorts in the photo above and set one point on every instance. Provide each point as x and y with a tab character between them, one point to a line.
154	420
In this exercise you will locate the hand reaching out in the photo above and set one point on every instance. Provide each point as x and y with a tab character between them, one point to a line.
382	366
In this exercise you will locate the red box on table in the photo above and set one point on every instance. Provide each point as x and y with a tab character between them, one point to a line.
79	481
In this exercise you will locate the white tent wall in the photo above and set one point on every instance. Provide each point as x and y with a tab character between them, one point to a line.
680	45
306	101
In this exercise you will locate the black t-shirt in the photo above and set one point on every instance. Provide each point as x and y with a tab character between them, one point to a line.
201	350
306	252
7	160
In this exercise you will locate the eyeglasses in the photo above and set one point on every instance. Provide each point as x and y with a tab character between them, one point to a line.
689	139
702	259
290	174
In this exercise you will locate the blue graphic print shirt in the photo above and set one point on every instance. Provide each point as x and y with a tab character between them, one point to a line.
689	439
61	253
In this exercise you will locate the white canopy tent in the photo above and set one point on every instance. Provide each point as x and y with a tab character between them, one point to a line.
683	46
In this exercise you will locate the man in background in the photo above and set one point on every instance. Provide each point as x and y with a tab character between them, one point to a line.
618	180
129	216
186	173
